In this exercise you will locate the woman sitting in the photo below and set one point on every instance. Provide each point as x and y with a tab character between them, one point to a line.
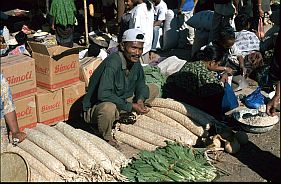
198	83
241	61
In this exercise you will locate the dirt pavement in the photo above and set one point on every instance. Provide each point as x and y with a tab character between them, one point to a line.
257	161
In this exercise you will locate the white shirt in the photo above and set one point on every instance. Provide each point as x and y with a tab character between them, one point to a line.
247	41
160	11
143	19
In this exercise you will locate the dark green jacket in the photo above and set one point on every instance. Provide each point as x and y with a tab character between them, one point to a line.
109	83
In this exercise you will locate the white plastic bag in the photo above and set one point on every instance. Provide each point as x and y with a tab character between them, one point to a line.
171	65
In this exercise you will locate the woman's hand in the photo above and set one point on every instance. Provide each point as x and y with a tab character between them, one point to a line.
228	70
243	71
19	135
224	78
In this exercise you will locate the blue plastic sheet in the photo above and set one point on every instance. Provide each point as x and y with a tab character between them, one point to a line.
255	99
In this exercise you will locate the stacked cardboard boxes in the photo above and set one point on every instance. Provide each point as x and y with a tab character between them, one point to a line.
49	106
26	112
57	75
47	86
55	66
19	71
71	99
87	67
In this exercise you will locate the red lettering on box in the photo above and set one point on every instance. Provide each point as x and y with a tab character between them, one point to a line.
15	80
47	108
70	101
24	113
62	68
41	70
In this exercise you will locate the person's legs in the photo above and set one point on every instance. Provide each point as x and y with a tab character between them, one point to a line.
104	115
64	35
156	36
186	31
120	9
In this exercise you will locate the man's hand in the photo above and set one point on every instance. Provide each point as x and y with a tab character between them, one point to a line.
272	105
140	108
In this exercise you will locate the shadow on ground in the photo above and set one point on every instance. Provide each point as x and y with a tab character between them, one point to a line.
264	163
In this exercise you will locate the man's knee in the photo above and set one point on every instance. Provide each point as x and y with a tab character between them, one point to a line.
107	108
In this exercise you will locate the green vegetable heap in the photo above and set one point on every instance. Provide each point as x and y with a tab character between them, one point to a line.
63	11
173	162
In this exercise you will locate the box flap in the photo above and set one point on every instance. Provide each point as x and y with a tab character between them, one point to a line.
85	60
61	52
38	48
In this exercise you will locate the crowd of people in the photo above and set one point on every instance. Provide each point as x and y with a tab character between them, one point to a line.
118	84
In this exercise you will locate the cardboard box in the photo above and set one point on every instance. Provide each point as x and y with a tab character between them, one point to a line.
55	66
19	71
49	106
71	95
87	67
26	112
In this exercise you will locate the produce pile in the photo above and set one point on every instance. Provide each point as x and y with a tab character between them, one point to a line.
167	120
63	153
173	162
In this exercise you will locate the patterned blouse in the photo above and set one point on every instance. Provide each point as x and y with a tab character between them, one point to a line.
6	100
196	79
6	106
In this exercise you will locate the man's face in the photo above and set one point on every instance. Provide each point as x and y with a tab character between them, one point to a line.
228	44
132	50
129	4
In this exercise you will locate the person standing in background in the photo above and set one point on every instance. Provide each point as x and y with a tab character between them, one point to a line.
8	116
95	15
274	77
185	11
108	8
224	11
120	10
254	9
142	17
63	14
160	10
125	19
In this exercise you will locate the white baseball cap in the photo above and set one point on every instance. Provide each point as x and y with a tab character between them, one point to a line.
133	35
